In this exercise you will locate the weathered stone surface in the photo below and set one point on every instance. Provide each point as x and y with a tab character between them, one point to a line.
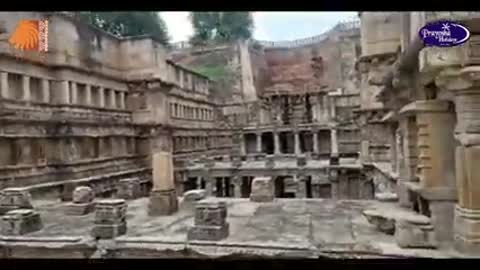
129	189
386	197
20	222
110	219
210	213
210	221
163	202
112	211
301	161
382	223
83	194
14	198
195	195
409	234
79	209
208	233
109	231
263	189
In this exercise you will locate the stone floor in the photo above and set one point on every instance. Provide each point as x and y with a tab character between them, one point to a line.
305	227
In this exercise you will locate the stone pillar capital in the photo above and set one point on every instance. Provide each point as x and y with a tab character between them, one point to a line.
459	79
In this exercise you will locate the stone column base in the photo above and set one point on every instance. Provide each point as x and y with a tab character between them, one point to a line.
410	234
109	231
163	202
467	231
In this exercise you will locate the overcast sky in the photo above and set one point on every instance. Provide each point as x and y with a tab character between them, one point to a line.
271	26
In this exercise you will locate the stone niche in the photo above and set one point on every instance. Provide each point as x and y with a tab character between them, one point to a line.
210	221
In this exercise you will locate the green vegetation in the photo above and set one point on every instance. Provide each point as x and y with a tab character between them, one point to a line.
220	26
131	23
215	73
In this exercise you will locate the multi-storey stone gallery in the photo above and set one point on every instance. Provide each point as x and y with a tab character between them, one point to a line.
359	142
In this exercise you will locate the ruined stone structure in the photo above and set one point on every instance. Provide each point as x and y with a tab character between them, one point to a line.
356	142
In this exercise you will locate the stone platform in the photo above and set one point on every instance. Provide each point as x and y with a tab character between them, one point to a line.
300	228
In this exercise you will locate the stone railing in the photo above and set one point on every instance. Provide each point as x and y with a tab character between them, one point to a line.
340	27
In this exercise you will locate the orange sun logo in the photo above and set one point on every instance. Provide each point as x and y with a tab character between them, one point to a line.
30	35
25	36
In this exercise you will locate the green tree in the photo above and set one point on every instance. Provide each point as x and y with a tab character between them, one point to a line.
221	26
132	23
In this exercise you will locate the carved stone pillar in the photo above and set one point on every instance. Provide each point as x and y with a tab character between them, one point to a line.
73	93
334	142
276	143
122	100
465	84
88	95
315	141
297	142
163	198
259	142
26	93
113	101
45	90
5	91
243	146
101	97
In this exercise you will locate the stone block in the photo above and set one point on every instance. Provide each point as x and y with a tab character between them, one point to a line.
263	190
410	234
109	231
209	213
14	198
386	197
111	211
67	192
210	221
163	202
208	233
83	194
381	222
195	195
442	217
79	209
129	189
20	222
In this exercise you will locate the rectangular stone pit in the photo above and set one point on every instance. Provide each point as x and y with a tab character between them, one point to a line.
20	222
210	221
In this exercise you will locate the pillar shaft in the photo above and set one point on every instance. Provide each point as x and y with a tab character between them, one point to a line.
88	95
5	92
334	142
297	143
46	90
259	142
315	141
26	92
276	143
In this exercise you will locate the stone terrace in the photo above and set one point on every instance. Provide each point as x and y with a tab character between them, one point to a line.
309	228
